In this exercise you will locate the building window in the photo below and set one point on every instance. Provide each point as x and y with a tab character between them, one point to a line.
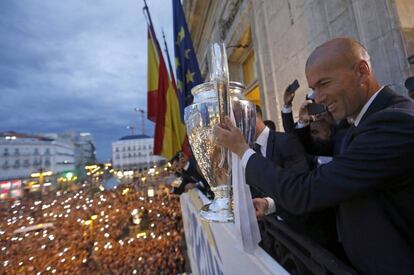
26	163
144	147
123	149
37	162
129	155
117	149
129	148
6	152
117	157
16	164
47	162
6	164
36	152
47	152
16	152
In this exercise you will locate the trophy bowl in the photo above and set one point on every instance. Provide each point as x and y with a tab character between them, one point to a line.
213	160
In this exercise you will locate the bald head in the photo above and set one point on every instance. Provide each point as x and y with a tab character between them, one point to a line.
339	71
339	52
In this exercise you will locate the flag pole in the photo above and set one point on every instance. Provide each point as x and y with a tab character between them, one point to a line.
149	21
169	61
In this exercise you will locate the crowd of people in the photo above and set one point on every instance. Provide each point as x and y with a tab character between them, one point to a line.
119	231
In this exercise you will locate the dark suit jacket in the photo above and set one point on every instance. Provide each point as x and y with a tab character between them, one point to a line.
286	151
372	181
193	175
288	122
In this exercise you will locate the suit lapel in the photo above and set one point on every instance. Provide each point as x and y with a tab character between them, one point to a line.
379	103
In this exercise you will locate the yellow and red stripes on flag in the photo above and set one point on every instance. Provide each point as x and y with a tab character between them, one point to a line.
152	78
163	104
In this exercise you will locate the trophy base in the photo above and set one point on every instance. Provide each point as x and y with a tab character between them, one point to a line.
220	209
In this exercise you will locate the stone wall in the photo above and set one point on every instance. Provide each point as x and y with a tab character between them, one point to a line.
284	33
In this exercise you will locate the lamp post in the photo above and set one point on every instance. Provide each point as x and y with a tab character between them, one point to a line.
142	113
132	128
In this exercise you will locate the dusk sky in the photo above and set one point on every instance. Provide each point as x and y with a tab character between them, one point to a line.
78	65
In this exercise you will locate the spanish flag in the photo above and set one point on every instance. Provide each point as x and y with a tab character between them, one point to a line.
163	103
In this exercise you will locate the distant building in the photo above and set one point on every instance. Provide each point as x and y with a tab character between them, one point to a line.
85	151
134	152
22	154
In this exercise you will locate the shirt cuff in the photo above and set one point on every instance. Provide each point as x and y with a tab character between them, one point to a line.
200	184
301	125
286	110
272	207
246	156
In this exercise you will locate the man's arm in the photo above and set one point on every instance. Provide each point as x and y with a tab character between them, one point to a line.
287	120
294	156
373	160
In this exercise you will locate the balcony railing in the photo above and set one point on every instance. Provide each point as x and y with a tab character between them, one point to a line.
297	253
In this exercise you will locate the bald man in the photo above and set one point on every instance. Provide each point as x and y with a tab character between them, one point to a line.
371	180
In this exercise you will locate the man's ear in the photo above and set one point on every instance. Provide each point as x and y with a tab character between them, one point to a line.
364	71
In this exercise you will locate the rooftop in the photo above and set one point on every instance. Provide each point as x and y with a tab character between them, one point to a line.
134	137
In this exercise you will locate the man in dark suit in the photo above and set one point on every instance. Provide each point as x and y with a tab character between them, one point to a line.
283	149
191	177
371	180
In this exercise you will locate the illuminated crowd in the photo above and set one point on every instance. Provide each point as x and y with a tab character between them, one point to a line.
77	232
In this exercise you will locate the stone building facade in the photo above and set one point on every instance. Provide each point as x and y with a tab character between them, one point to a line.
134	152
22	154
268	41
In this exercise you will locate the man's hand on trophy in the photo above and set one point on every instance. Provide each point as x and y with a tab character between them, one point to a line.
230	137
260	205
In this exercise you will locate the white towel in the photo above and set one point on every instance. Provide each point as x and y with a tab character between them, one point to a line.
244	213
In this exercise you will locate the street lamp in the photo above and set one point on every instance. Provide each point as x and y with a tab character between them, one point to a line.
142	112
132	128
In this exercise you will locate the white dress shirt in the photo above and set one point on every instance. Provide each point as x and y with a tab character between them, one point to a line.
365	108
262	140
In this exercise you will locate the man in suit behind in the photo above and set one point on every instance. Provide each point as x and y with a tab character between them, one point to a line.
285	150
281	148
371	180
191	177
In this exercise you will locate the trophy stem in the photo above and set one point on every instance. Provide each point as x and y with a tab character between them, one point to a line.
220	209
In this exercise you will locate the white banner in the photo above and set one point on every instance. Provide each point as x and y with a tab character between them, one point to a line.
217	248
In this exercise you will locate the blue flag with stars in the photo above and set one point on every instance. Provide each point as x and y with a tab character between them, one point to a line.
186	66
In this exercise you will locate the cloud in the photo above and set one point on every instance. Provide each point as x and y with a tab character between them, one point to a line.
76	65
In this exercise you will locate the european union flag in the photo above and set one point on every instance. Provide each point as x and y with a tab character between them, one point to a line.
187	70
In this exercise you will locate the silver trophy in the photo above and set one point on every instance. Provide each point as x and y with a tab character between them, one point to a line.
212	101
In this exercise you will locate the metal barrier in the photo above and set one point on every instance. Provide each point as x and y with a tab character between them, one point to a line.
296	253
